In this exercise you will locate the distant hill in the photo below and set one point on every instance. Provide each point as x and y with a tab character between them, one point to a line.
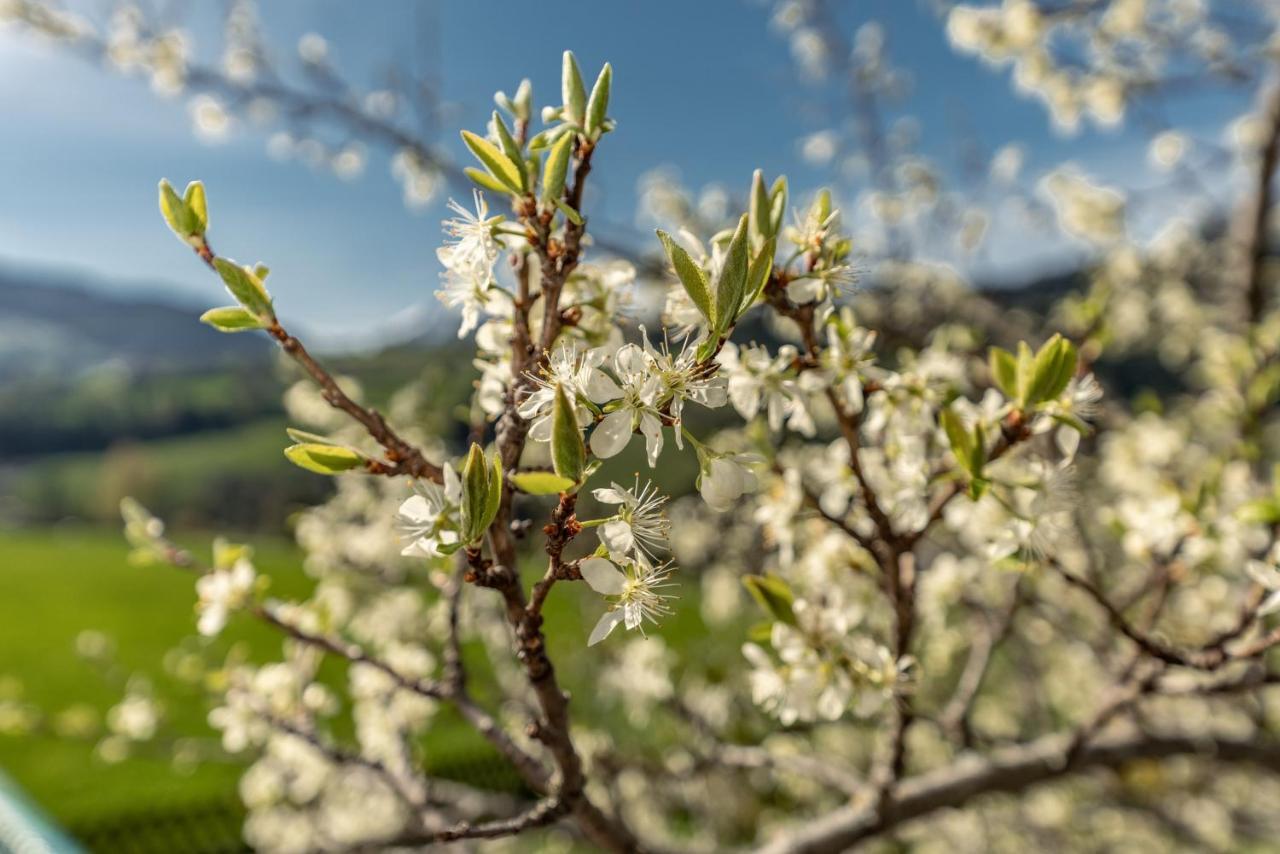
58	327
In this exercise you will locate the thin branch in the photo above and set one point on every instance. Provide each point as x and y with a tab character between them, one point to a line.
727	754
1202	659
954	719
1257	209
1013	769
543	813
403	458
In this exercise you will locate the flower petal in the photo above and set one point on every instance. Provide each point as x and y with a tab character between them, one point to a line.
416	509
541	429
602	576
617	537
600	388
612	434
651	427
607	621
609	495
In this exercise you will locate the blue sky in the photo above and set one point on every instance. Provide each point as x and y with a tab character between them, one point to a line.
704	85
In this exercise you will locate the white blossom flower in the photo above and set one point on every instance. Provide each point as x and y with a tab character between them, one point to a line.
578	372
221	592
725	478
636	408
756	380
1266	574
639	524
136	717
637	591
468	261
683	378
430	517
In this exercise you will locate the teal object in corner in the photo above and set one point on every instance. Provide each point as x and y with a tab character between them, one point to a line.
25	830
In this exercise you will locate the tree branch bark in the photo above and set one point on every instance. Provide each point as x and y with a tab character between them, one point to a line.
1007	770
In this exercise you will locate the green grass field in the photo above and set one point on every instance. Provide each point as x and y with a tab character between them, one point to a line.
59	581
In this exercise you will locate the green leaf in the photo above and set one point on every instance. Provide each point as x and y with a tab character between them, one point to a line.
978	487
568	453
778	203
304	437
572	92
540	482
231	318
323	459
960	439
1004	370
1264	511
732	283
195	201
547	138
556	168
475	494
761	209
689	273
598	105
487	181
822	205
511	149
179	215
774	595
1026	370
570	214
1054	366
977	452
495	490
246	288
498	164
758	274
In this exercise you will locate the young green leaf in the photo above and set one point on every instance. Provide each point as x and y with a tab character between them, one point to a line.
732	282
1026	371
540	482
486	181
475	494
758	274
761	209
523	100
977	452
960	439
246	288
572	92
304	437
323	459
231	318
511	149
498	164
778	203
1004	370
822	205
495	490
195	201
568	453
689	273
181	218
598	105
556	168
1055	365
774	595
569	213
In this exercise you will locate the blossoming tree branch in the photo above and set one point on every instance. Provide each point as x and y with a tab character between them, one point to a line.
931	589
